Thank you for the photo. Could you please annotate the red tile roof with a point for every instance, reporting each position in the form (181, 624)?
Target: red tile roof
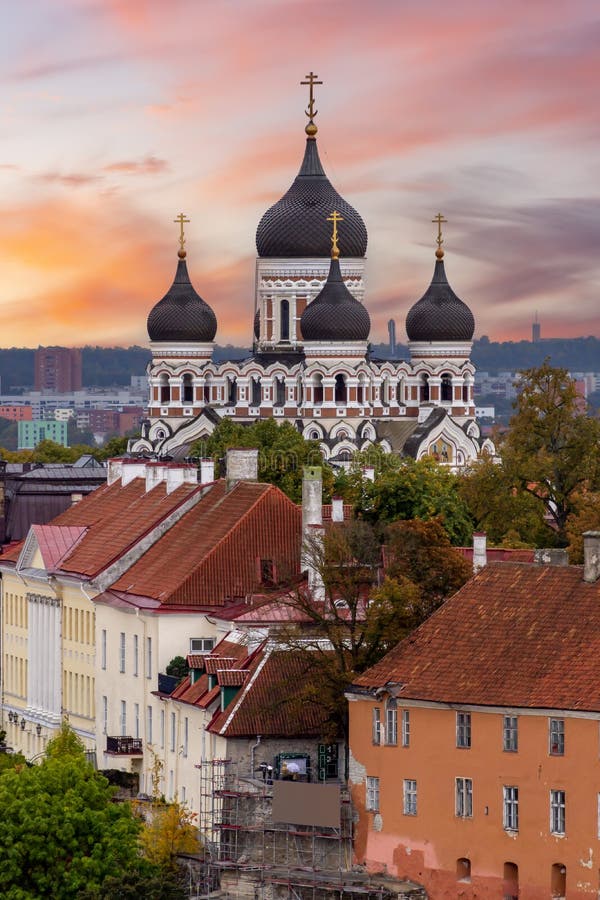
(501, 554)
(214, 664)
(515, 635)
(196, 660)
(210, 555)
(231, 677)
(56, 541)
(199, 693)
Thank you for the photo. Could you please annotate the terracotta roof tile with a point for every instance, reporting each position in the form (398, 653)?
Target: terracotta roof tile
(515, 635)
(195, 660)
(55, 541)
(231, 677)
(214, 664)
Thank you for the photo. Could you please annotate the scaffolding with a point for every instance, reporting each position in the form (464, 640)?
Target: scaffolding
(248, 855)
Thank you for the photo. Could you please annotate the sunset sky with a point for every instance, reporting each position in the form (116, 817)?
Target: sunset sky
(116, 115)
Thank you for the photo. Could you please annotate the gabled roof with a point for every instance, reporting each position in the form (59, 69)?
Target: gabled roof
(56, 541)
(516, 635)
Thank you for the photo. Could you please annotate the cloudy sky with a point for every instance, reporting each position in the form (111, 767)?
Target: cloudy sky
(116, 115)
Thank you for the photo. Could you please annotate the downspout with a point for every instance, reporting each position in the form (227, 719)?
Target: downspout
(253, 750)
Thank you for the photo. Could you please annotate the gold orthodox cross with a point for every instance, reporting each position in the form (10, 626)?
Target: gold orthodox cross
(182, 221)
(311, 112)
(439, 219)
(335, 218)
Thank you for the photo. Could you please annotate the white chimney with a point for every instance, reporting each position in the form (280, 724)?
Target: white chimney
(241, 464)
(180, 473)
(132, 468)
(115, 470)
(591, 556)
(313, 557)
(312, 496)
(76, 498)
(479, 550)
(369, 473)
(207, 471)
(337, 509)
(155, 473)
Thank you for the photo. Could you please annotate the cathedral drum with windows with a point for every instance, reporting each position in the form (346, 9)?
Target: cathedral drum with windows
(311, 364)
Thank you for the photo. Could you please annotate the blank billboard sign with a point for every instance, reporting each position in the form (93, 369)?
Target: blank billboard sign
(298, 803)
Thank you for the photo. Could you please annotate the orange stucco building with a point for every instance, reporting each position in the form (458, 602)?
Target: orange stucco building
(475, 743)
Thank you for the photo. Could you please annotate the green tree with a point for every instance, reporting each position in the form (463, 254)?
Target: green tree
(170, 830)
(282, 452)
(61, 833)
(552, 449)
(178, 667)
(585, 516)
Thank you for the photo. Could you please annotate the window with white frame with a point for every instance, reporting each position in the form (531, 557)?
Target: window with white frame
(405, 728)
(136, 720)
(103, 648)
(149, 725)
(123, 718)
(376, 725)
(122, 652)
(173, 741)
(510, 734)
(410, 797)
(464, 798)
(104, 715)
(149, 657)
(463, 729)
(372, 794)
(557, 812)
(510, 814)
(557, 737)
(136, 655)
(391, 721)
(201, 645)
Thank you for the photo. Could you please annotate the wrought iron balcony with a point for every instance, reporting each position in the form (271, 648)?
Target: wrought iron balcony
(126, 746)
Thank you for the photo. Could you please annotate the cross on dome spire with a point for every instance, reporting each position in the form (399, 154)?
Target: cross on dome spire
(311, 112)
(182, 220)
(335, 218)
(439, 240)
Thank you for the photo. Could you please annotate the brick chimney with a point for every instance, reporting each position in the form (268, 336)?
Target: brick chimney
(591, 556)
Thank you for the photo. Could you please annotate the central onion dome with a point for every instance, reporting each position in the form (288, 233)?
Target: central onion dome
(440, 315)
(334, 314)
(296, 225)
(182, 314)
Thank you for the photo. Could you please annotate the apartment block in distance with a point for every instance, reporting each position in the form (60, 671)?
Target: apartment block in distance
(57, 369)
(31, 433)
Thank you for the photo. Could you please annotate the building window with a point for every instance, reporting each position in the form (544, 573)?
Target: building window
(410, 797)
(510, 819)
(391, 722)
(185, 735)
(463, 869)
(183, 794)
(201, 645)
(376, 725)
(149, 657)
(103, 648)
(136, 720)
(372, 794)
(557, 812)
(464, 798)
(123, 718)
(122, 652)
(162, 729)
(510, 734)
(463, 729)
(136, 654)
(105, 716)
(173, 731)
(557, 737)
(405, 728)
(149, 725)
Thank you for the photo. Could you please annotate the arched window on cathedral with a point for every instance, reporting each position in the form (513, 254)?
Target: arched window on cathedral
(231, 391)
(317, 389)
(400, 391)
(164, 389)
(424, 389)
(256, 391)
(385, 392)
(466, 390)
(361, 391)
(280, 391)
(341, 393)
(187, 388)
(285, 320)
(446, 388)
(207, 388)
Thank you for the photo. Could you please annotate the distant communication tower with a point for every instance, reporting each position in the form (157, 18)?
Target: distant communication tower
(392, 334)
(536, 330)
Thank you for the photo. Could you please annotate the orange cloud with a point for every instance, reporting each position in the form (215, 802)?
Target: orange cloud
(150, 165)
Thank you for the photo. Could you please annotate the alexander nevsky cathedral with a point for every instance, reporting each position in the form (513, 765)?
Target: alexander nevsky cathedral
(311, 363)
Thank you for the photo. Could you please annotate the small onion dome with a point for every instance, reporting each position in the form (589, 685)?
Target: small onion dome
(440, 315)
(334, 314)
(182, 315)
(257, 324)
(297, 224)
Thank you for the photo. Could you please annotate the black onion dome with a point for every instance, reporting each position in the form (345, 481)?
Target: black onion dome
(182, 315)
(334, 314)
(440, 315)
(297, 224)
